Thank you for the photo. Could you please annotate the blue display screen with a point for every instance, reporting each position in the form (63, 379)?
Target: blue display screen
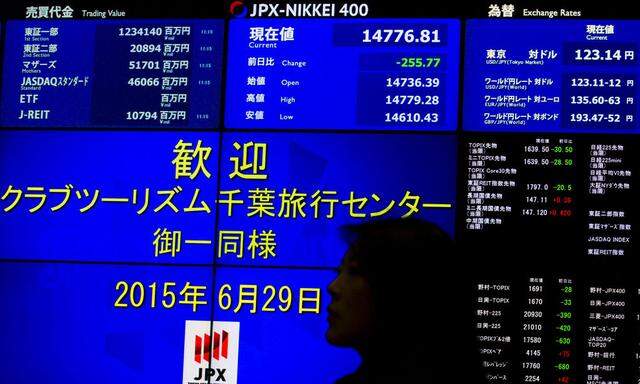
(343, 74)
(315, 193)
(112, 73)
(560, 76)
(97, 199)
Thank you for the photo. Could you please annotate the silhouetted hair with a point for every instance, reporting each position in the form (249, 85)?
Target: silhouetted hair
(409, 266)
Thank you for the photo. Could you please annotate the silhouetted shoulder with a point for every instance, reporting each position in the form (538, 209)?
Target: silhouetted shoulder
(350, 379)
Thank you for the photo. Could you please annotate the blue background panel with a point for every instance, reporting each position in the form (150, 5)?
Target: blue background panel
(340, 86)
(114, 163)
(387, 165)
(564, 37)
(96, 50)
(64, 327)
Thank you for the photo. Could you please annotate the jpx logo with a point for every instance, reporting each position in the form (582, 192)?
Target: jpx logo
(238, 9)
(211, 352)
(216, 375)
(220, 346)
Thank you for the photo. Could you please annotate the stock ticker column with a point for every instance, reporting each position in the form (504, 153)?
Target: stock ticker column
(70, 73)
(343, 74)
(550, 123)
(567, 90)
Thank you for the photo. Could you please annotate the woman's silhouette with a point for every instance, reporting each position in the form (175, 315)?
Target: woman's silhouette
(390, 302)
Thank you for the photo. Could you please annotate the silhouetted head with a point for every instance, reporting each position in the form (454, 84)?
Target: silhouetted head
(386, 281)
